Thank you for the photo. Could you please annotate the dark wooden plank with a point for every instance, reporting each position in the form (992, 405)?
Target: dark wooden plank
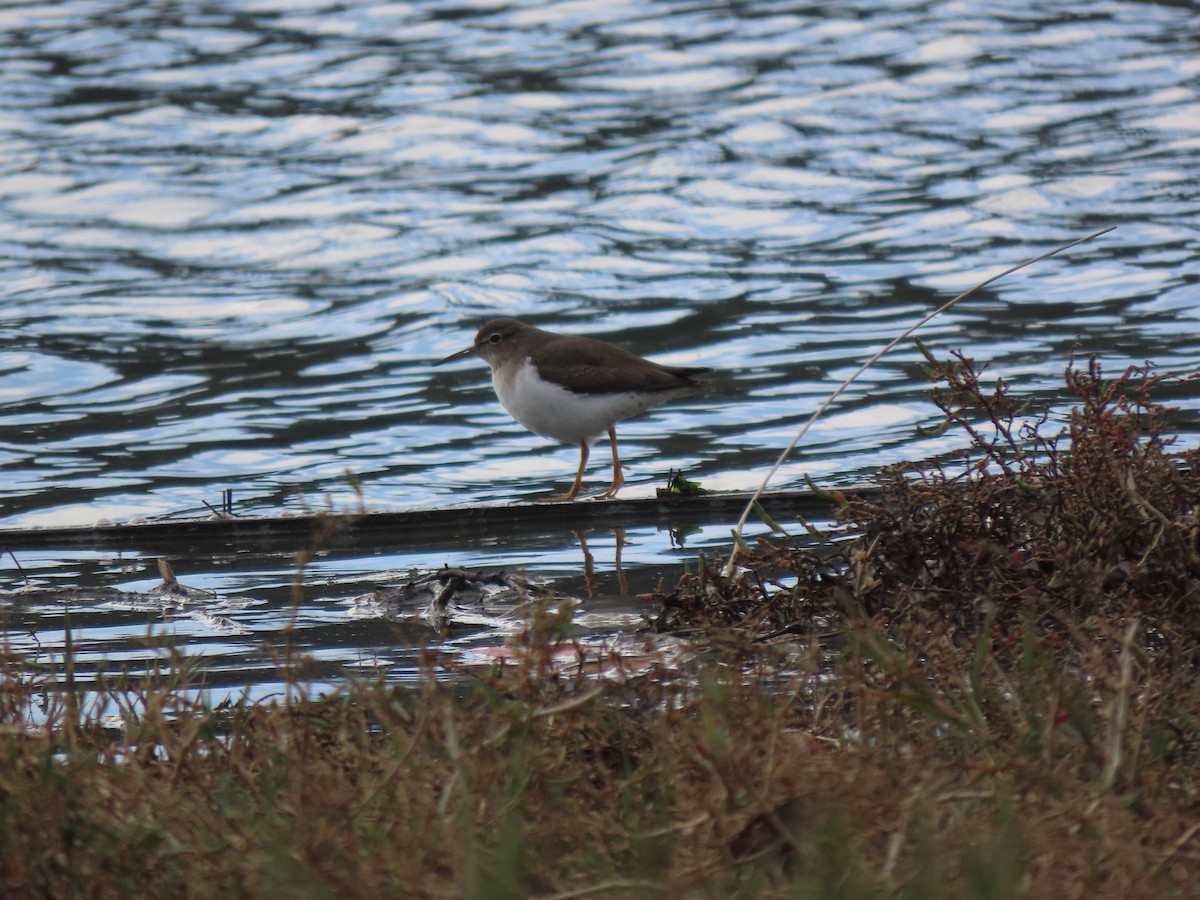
(436, 526)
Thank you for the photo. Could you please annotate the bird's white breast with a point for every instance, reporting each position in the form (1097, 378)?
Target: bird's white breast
(547, 409)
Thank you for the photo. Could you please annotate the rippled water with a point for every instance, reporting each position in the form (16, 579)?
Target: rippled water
(234, 235)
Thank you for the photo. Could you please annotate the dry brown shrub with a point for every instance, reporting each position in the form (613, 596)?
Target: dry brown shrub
(1014, 634)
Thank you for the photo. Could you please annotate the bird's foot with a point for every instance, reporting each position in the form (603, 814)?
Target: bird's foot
(559, 498)
(611, 493)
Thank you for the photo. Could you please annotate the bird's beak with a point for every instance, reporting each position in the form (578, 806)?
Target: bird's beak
(461, 354)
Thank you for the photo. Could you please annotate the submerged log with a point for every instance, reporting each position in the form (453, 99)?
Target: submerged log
(433, 527)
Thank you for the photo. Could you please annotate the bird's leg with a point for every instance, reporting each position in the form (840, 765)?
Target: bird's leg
(618, 477)
(574, 491)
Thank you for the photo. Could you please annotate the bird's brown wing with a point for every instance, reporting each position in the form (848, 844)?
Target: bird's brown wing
(592, 367)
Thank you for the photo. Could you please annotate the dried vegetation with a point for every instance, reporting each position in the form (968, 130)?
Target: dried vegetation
(982, 685)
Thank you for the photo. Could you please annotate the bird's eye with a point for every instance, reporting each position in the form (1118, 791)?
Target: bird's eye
(495, 338)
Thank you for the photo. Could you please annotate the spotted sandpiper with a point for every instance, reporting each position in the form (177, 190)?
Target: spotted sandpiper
(573, 389)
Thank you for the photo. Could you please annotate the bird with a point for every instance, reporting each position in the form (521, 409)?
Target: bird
(572, 388)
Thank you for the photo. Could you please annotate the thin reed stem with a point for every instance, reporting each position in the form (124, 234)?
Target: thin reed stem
(727, 572)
